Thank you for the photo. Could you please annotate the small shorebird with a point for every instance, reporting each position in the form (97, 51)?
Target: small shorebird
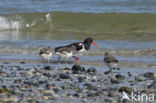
(85, 45)
(66, 52)
(111, 62)
(46, 54)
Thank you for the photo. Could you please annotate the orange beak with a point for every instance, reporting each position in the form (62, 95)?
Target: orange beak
(94, 43)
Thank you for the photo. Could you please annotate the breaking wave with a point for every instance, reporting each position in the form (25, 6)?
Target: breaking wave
(26, 21)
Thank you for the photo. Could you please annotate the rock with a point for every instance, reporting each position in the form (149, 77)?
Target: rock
(120, 77)
(42, 82)
(91, 94)
(84, 100)
(114, 81)
(11, 99)
(138, 79)
(56, 90)
(149, 75)
(129, 74)
(77, 89)
(28, 83)
(76, 95)
(117, 68)
(22, 62)
(107, 72)
(107, 100)
(90, 86)
(5, 91)
(64, 76)
(31, 71)
(78, 69)
(152, 85)
(47, 75)
(81, 79)
(66, 68)
(48, 68)
(92, 70)
(45, 97)
(126, 89)
(27, 86)
(48, 86)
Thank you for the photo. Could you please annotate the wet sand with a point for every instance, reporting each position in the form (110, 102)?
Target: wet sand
(88, 63)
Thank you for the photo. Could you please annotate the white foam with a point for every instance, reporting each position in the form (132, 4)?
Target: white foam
(48, 16)
(7, 24)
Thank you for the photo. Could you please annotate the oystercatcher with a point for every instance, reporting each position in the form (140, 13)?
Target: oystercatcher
(111, 62)
(45, 54)
(66, 52)
(85, 45)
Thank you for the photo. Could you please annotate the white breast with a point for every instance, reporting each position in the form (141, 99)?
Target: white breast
(65, 54)
(46, 56)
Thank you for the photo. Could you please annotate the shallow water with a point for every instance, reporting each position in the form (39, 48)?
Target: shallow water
(142, 54)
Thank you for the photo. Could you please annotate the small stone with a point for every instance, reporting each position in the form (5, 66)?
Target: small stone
(90, 86)
(56, 90)
(114, 81)
(84, 100)
(129, 74)
(138, 79)
(91, 94)
(120, 77)
(11, 99)
(27, 86)
(45, 97)
(48, 68)
(22, 62)
(48, 86)
(107, 100)
(66, 68)
(76, 95)
(81, 79)
(149, 75)
(117, 68)
(78, 69)
(64, 76)
(47, 75)
(126, 89)
(152, 85)
(91, 70)
(28, 82)
(42, 82)
(107, 72)
(5, 90)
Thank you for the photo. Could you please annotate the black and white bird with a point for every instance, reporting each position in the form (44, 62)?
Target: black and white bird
(46, 54)
(85, 45)
(66, 52)
(111, 62)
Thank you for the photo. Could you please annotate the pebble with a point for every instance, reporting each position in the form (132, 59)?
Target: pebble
(138, 79)
(48, 68)
(81, 79)
(129, 74)
(149, 75)
(114, 81)
(47, 75)
(64, 76)
(77, 69)
(120, 77)
(126, 89)
(45, 97)
(91, 70)
(73, 85)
